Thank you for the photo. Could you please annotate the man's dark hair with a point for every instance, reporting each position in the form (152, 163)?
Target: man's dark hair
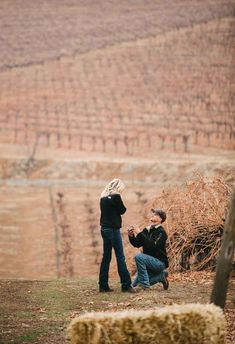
(159, 212)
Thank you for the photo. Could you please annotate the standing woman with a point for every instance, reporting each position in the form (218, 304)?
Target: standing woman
(112, 207)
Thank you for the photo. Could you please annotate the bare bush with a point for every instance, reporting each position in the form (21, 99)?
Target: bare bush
(196, 214)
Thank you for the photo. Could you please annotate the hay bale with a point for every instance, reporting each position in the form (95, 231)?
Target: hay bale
(188, 324)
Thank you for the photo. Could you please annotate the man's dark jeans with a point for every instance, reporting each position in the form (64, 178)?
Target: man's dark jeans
(112, 239)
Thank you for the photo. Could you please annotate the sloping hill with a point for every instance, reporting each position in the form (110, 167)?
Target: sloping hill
(35, 32)
(131, 79)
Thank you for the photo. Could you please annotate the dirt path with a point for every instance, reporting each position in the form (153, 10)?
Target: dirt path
(40, 311)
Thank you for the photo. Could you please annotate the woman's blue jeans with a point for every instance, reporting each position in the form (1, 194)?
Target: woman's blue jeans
(150, 270)
(112, 239)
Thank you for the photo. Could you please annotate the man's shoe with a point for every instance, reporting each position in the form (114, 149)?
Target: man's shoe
(140, 287)
(129, 290)
(105, 290)
(165, 281)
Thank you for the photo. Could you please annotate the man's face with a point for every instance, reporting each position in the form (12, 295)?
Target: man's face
(155, 219)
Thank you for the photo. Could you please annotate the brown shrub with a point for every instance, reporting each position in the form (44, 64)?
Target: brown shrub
(196, 212)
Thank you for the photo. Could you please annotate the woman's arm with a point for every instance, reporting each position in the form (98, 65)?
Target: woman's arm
(119, 204)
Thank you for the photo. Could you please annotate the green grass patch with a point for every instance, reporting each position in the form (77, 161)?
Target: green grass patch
(28, 337)
(56, 298)
(24, 314)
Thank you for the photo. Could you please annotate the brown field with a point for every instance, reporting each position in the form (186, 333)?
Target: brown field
(119, 79)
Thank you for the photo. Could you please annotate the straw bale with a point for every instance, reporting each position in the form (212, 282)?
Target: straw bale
(188, 324)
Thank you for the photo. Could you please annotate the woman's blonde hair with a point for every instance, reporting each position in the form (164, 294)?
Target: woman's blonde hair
(116, 186)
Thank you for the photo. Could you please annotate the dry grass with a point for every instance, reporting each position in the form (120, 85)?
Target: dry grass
(44, 309)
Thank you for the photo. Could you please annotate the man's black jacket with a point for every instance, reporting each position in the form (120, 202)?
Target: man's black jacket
(153, 241)
(111, 208)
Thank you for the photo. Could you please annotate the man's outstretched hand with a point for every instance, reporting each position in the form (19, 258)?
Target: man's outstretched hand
(133, 230)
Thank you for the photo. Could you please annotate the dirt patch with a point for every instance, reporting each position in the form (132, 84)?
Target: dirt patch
(40, 311)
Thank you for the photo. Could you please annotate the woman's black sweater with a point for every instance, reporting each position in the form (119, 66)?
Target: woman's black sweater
(111, 208)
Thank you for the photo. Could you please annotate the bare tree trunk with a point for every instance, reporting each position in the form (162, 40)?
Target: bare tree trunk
(224, 265)
(66, 261)
(32, 155)
(31, 159)
(57, 236)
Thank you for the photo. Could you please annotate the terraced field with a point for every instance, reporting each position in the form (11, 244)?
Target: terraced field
(119, 79)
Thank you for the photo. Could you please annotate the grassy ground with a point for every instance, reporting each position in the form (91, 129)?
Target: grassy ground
(40, 311)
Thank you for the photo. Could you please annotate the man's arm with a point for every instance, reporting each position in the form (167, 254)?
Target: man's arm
(132, 234)
(135, 241)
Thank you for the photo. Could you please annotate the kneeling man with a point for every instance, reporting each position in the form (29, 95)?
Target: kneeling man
(153, 261)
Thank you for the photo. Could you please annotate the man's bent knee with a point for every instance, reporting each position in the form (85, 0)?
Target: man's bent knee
(139, 256)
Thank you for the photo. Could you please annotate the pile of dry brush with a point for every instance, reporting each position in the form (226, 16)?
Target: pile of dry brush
(196, 214)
